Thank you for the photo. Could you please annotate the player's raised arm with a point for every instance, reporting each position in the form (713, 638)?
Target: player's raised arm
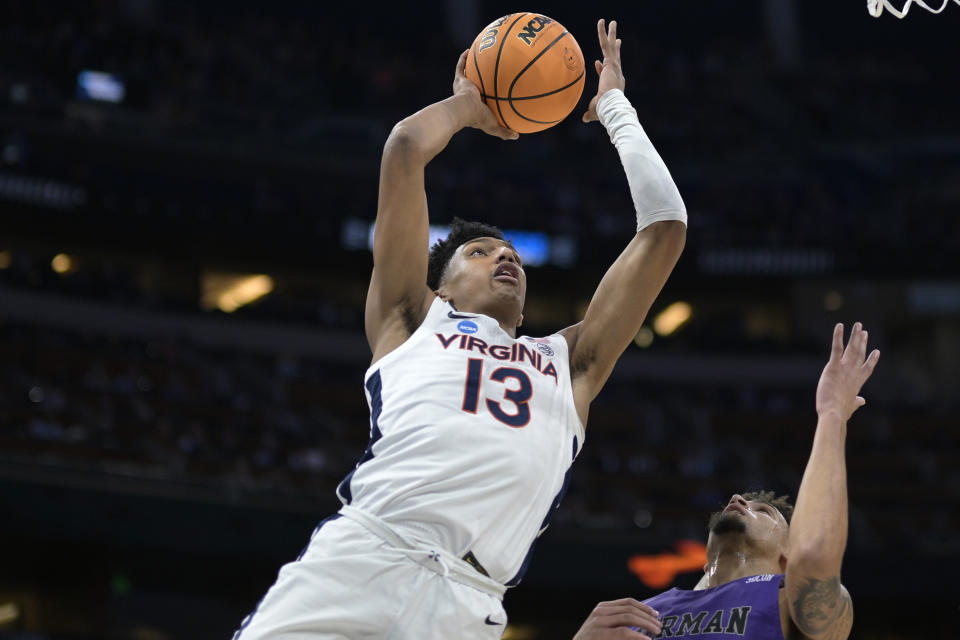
(399, 298)
(630, 286)
(820, 606)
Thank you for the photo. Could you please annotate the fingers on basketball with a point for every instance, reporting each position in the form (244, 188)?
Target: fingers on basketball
(462, 62)
(589, 115)
(507, 134)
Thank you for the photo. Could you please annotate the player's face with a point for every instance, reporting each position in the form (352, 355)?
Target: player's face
(756, 523)
(486, 273)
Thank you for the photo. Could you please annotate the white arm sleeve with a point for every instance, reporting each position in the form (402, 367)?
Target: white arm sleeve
(655, 196)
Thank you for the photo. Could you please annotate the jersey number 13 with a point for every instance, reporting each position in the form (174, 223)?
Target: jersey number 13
(520, 398)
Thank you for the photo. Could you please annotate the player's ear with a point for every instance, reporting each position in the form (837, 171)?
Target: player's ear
(520, 321)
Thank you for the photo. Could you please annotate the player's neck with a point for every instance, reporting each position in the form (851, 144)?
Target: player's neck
(504, 315)
(510, 331)
(733, 563)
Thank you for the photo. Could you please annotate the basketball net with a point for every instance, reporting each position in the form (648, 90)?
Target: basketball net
(876, 7)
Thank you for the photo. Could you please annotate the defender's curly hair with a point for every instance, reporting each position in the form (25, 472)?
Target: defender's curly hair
(781, 503)
(440, 253)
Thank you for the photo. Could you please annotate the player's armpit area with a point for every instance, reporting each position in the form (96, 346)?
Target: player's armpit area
(821, 609)
(579, 363)
(387, 327)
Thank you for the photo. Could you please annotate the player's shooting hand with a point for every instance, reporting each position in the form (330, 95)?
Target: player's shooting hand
(480, 116)
(845, 373)
(612, 621)
(610, 70)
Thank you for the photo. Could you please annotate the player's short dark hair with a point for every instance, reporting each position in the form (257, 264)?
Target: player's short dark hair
(780, 503)
(440, 253)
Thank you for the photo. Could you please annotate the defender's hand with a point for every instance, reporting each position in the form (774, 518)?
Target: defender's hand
(610, 70)
(612, 621)
(480, 116)
(845, 373)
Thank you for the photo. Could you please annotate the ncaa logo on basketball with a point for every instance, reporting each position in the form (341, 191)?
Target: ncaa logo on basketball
(545, 349)
(466, 326)
(529, 33)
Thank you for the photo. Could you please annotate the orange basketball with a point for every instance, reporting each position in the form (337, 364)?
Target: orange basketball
(529, 70)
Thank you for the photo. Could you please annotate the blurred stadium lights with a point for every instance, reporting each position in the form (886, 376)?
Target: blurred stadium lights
(19, 93)
(783, 31)
(672, 318)
(935, 298)
(6, 259)
(642, 518)
(535, 247)
(62, 263)
(100, 86)
(659, 571)
(41, 191)
(9, 612)
(644, 337)
(12, 154)
(229, 292)
(833, 300)
(520, 632)
(767, 261)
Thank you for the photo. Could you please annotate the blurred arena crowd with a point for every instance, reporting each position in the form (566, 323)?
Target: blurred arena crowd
(661, 452)
(828, 150)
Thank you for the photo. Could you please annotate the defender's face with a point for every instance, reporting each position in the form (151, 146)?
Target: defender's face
(486, 272)
(758, 523)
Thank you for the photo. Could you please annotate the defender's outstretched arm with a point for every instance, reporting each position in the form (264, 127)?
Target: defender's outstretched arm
(820, 606)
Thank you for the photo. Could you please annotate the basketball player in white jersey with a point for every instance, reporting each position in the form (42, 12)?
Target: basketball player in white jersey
(473, 430)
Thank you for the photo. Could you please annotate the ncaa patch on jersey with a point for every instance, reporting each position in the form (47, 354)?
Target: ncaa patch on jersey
(467, 326)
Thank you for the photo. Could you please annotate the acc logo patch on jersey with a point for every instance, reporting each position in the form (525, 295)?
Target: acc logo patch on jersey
(466, 326)
(546, 350)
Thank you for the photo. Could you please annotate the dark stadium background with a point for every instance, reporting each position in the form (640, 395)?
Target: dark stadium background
(159, 461)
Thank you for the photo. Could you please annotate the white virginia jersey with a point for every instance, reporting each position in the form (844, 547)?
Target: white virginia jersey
(472, 434)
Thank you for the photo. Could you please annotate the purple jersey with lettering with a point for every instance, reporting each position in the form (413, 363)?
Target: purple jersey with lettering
(746, 609)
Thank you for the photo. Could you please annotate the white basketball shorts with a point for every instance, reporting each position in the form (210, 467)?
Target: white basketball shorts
(358, 579)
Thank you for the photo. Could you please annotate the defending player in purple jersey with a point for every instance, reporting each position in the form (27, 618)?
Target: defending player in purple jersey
(726, 611)
(773, 570)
